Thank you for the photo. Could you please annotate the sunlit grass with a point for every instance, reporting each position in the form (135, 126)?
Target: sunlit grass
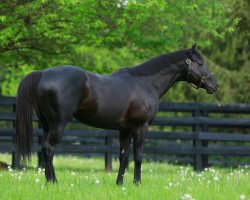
(82, 178)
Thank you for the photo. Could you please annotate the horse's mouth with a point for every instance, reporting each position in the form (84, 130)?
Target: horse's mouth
(210, 90)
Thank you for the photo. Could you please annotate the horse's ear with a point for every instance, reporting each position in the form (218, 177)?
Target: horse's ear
(193, 47)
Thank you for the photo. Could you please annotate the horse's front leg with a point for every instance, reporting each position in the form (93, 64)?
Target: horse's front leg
(125, 139)
(139, 139)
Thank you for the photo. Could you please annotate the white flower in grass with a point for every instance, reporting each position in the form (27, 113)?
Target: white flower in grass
(71, 185)
(10, 169)
(97, 181)
(19, 178)
(40, 171)
(73, 173)
(243, 196)
(123, 189)
(208, 182)
(86, 177)
(170, 184)
(37, 180)
(216, 178)
(187, 197)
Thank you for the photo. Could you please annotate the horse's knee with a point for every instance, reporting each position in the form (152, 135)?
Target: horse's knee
(138, 160)
(56, 132)
(123, 157)
(48, 151)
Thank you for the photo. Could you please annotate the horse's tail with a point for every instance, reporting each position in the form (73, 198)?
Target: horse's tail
(27, 102)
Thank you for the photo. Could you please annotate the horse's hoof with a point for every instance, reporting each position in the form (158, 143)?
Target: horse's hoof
(119, 183)
(51, 181)
(137, 183)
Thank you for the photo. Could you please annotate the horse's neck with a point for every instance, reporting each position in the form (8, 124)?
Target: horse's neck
(161, 72)
(162, 81)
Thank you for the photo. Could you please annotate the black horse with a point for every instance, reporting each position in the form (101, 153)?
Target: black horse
(126, 100)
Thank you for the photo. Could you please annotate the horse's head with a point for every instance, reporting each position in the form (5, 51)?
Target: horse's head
(198, 73)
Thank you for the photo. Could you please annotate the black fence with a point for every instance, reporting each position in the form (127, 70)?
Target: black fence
(197, 133)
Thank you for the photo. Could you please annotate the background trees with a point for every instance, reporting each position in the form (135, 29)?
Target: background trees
(103, 36)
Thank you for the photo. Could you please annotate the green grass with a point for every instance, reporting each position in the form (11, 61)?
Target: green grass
(81, 178)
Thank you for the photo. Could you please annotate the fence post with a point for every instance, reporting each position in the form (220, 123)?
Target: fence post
(204, 143)
(15, 157)
(197, 157)
(108, 155)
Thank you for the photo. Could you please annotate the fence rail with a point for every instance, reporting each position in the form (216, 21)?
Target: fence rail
(184, 132)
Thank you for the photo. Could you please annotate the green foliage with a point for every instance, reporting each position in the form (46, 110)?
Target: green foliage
(12, 78)
(233, 52)
(102, 60)
(44, 31)
(102, 36)
(240, 85)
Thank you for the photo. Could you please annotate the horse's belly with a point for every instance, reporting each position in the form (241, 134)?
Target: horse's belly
(99, 121)
(113, 113)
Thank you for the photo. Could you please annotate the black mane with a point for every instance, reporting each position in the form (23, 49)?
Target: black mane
(157, 64)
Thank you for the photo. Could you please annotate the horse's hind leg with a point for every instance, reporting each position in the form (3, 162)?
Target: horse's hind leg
(45, 127)
(52, 139)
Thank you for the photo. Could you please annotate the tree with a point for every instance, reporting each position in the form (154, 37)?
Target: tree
(103, 35)
(44, 32)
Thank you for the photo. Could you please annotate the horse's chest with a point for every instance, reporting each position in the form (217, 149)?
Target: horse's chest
(139, 113)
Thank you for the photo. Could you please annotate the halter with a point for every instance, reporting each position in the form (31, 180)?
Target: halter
(203, 79)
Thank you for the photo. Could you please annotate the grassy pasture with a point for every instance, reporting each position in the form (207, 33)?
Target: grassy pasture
(82, 178)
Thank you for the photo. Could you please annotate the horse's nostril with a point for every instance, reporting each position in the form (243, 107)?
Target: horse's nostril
(217, 85)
